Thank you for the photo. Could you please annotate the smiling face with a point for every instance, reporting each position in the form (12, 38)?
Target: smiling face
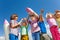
(57, 15)
(33, 18)
(24, 23)
(49, 16)
(16, 18)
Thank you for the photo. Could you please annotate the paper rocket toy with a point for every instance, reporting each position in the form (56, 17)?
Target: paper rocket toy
(6, 29)
(30, 11)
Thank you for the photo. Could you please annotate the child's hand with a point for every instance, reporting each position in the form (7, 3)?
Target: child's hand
(42, 10)
(20, 21)
(40, 18)
(40, 15)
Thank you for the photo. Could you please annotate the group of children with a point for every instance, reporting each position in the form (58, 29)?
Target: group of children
(54, 22)
(38, 28)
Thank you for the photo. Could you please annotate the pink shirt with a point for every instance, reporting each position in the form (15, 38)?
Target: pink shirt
(51, 22)
(34, 26)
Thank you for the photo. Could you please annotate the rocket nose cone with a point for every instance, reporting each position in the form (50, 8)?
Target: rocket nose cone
(28, 9)
(6, 22)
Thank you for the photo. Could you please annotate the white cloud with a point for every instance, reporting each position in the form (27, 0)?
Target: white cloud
(2, 38)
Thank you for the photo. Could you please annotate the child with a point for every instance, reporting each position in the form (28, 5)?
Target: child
(13, 27)
(43, 28)
(34, 24)
(24, 29)
(53, 26)
(34, 27)
(57, 17)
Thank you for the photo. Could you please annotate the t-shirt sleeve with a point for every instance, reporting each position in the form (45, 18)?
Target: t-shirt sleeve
(53, 21)
(12, 22)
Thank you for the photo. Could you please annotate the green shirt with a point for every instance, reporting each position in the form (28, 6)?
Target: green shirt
(24, 30)
(58, 22)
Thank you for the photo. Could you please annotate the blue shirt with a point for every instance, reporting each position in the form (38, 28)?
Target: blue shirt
(42, 27)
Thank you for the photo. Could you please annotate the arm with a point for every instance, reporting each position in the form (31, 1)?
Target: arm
(29, 22)
(41, 18)
(20, 21)
(14, 26)
(27, 25)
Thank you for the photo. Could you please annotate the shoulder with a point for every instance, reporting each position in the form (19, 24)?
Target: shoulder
(12, 21)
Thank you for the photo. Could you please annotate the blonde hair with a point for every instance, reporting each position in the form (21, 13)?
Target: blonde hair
(48, 14)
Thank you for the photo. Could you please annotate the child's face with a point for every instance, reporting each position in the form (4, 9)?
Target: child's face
(24, 24)
(33, 18)
(49, 16)
(57, 15)
(16, 18)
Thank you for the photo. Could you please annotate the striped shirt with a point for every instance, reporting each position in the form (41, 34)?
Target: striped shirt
(14, 30)
(51, 22)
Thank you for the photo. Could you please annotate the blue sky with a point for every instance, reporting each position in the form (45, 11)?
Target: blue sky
(8, 7)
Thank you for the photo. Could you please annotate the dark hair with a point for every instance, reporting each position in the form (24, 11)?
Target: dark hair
(13, 16)
(32, 15)
(57, 11)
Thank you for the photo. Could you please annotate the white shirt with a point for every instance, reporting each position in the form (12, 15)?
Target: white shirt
(14, 30)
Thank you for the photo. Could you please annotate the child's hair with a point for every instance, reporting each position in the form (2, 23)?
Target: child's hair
(48, 14)
(57, 12)
(24, 21)
(33, 16)
(13, 16)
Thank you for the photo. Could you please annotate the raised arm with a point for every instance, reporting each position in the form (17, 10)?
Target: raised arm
(20, 21)
(13, 25)
(41, 17)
